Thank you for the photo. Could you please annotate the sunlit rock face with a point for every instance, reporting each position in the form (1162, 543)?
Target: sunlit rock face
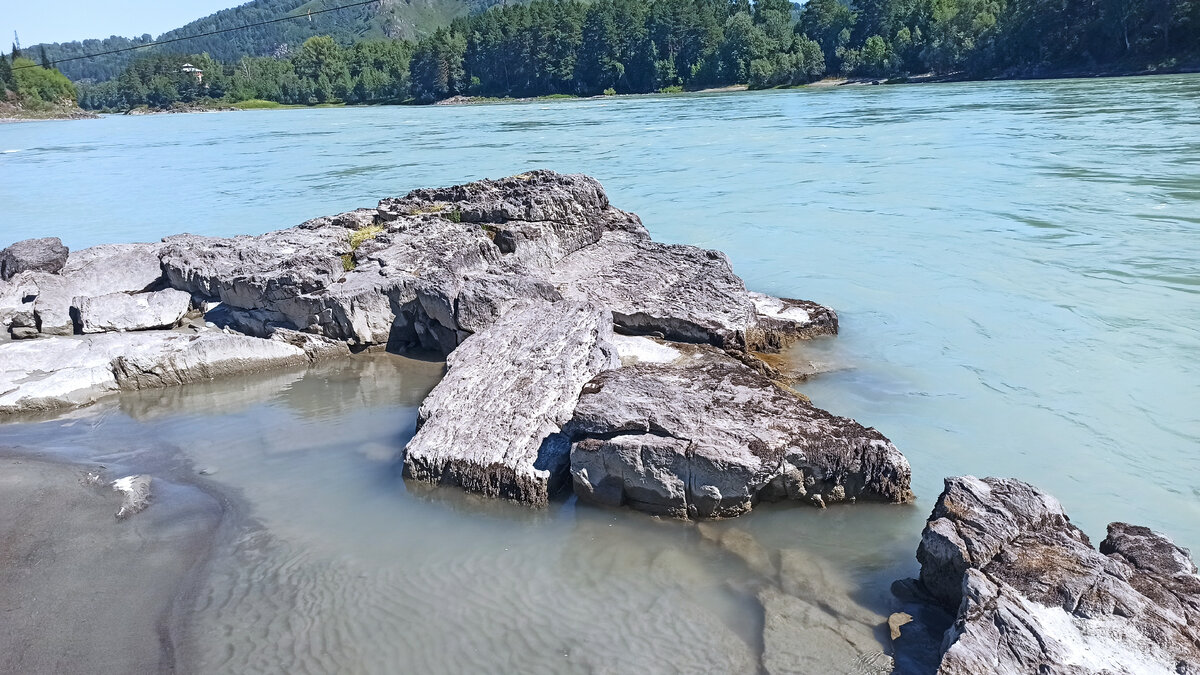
(537, 290)
(1032, 595)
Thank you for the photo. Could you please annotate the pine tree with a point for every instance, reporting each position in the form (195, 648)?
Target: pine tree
(45, 58)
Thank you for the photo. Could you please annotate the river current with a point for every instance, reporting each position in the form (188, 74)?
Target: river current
(1016, 266)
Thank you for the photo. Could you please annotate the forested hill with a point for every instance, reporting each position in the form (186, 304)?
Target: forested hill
(406, 19)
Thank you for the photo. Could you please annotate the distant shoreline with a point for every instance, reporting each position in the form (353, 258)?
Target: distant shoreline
(461, 100)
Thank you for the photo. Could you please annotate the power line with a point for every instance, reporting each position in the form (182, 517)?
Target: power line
(200, 35)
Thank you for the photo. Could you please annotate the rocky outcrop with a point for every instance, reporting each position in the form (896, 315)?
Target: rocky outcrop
(1031, 595)
(46, 301)
(427, 270)
(701, 435)
(59, 373)
(492, 425)
(119, 312)
(521, 281)
(33, 255)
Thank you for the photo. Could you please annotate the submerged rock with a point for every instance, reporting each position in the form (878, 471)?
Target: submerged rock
(33, 255)
(135, 491)
(705, 436)
(1033, 596)
(492, 425)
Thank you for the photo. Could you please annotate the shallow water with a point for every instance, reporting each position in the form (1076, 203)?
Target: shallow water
(330, 564)
(1015, 265)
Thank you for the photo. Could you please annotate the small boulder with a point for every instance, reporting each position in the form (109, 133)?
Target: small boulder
(38, 255)
(119, 312)
(24, 332)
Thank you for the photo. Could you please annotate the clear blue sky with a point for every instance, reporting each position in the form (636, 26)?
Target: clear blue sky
(65, 20)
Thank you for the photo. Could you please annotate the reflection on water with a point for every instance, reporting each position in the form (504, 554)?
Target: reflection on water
(330, 564)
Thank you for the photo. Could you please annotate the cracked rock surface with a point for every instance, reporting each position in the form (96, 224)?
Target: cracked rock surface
(702, 435)
(520, 282)
(1031, 594)
(492, 424)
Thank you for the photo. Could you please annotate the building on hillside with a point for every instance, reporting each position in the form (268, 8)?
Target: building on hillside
(193, 71)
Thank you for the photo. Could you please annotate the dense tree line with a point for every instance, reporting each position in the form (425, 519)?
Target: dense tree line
(632, 46)
(564, 46)
(319, 72)
(391, 19)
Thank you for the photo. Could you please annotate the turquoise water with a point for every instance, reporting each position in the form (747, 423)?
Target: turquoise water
(1016, 265)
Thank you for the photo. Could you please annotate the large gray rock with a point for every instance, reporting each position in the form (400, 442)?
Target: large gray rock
(33, 255)
(1033, 596)
(125, 312)
(702, 435)
(114, 268)
(424, 271)
(67, 372)
(492, 425)
(96, 271)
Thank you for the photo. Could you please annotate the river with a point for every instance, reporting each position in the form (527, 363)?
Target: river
(1016, 266)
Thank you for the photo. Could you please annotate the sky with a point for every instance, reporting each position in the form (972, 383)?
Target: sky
(66, 20)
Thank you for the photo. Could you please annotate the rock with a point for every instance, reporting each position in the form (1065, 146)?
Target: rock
(24, 333)
(743, 545)
(492, 425)
(705, 436)
(438, 268)
(114, 268)
(37, 255)
(16, 305)
(124, 312)
(1032, 595)
(778, 322)
(801, 637)
(316, 347)
(896, 621)
(100, 270)
(419, 272)
(65, 372)
(136, 493)
(679, 292)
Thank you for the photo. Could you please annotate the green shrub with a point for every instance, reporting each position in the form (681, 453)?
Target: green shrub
(610, 92)
(36, 83)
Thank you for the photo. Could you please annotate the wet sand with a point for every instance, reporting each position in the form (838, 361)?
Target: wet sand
(84, 592)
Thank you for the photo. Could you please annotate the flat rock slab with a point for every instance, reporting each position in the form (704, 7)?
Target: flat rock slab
(119, 312)
(63, 372)
(678, 292)
(1032, 595)
(492, 425)
(705, 436)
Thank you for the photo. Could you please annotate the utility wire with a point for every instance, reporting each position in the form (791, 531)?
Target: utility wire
(200, 35)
